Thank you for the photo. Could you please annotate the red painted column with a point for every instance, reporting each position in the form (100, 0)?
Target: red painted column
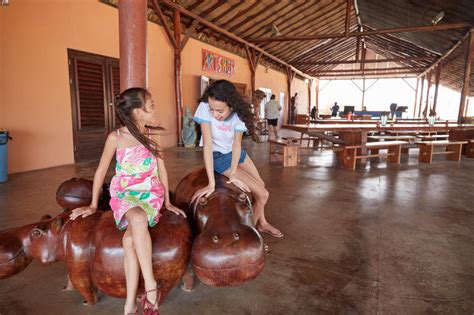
(132, 38)
(177, 78)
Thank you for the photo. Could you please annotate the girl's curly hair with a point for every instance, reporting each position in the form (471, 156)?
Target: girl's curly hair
(225, 91)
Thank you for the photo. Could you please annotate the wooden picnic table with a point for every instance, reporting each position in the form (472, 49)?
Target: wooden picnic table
(356, 134)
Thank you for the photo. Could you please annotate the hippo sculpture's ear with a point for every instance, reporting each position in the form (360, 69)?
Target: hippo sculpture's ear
(56, 225)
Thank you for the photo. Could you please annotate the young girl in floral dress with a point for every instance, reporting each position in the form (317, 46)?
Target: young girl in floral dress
(138, 191)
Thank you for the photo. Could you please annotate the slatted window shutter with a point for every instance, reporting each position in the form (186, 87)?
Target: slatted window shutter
(91, 92)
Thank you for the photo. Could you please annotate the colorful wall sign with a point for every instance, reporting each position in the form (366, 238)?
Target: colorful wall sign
(216, 63)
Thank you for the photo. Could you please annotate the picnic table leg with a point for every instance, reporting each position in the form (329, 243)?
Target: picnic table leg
(290, 156)
(470, 149)
(349, 158)
(395, 158)
(456, 155)
(426, 153)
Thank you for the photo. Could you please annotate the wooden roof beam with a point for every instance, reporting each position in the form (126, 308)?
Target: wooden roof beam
(409, 29)
(348, 16)
(447, 54)
(337, 62)
(370, 70)
(376, 75)
(232, 36)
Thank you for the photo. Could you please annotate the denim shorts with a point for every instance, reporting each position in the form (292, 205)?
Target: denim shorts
(222, 162)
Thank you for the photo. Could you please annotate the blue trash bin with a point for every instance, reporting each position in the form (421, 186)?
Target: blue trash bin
(4, 137)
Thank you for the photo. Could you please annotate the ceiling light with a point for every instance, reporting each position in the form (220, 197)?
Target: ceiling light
(275, 31)
(437, 18)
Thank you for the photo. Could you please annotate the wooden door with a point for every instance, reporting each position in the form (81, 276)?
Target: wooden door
(94, 81)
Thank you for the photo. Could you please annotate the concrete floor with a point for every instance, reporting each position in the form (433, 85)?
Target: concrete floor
(395, 239)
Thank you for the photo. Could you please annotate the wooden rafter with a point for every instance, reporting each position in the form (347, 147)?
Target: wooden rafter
(162, 18)
(224, 32)
(252, 17)
(408, 29)
(268, 23)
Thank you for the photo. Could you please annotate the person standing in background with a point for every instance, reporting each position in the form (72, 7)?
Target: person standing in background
(334, 110)
(272, 112)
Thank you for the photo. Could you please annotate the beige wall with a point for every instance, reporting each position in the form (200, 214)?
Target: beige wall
(192, 70)
(34, 91)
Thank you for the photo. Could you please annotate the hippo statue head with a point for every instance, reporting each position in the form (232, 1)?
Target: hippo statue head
(19, 246)
(228, 251)
(44, 240)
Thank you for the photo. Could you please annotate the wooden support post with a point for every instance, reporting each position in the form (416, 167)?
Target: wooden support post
(468, 56)
(290, 75)
(428, 86)
(309, 98)
(132, 39)
(416, 96)
(421, 96)
(252, 59)
(317, 97)
(437, 75)
(177, 71)
(363, 93)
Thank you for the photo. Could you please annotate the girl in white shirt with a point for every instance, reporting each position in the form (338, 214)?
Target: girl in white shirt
(224, 116)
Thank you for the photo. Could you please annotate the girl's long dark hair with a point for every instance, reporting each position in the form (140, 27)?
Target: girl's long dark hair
(224, 91)
(125, 103)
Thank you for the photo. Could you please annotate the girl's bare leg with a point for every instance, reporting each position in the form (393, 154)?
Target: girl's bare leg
(259, 213)
(138, 223)
(132, 272)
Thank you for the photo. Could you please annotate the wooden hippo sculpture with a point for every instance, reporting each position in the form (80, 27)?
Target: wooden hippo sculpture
(92, 247)
(227, 249)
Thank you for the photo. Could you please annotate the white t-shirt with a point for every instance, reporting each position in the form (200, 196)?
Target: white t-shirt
(222, 131)
(272, 110)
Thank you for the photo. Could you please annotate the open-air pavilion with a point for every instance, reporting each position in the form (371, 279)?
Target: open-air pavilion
(376, 215)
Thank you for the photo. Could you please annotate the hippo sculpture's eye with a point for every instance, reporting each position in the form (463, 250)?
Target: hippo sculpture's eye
(36, 232)
(236, 236)
(215, 238)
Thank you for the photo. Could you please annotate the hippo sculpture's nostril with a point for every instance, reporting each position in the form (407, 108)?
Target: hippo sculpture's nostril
(203, 201)
(243, 197)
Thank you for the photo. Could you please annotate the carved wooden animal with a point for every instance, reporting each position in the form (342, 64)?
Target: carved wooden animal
(227, 249)
(92, 248)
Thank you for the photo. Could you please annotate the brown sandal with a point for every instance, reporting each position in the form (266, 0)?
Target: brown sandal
(148, 307)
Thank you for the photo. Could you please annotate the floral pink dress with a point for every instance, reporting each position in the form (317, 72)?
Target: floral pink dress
(135, 184)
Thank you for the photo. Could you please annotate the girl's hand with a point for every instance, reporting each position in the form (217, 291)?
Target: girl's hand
(82, 211)
(238, 183)
(175, 210)
(203, 192)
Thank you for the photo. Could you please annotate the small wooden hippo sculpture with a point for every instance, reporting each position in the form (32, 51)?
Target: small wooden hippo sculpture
(227, 249)
(92, 247)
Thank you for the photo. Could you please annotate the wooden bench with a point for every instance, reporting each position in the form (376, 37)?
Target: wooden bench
(453, 150)
(288, 149)
(432, 137)
(350, 153)
(409, 138)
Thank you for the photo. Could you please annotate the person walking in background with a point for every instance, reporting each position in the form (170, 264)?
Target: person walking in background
(272, 112)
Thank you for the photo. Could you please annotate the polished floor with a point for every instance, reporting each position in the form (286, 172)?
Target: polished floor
(384, 239)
